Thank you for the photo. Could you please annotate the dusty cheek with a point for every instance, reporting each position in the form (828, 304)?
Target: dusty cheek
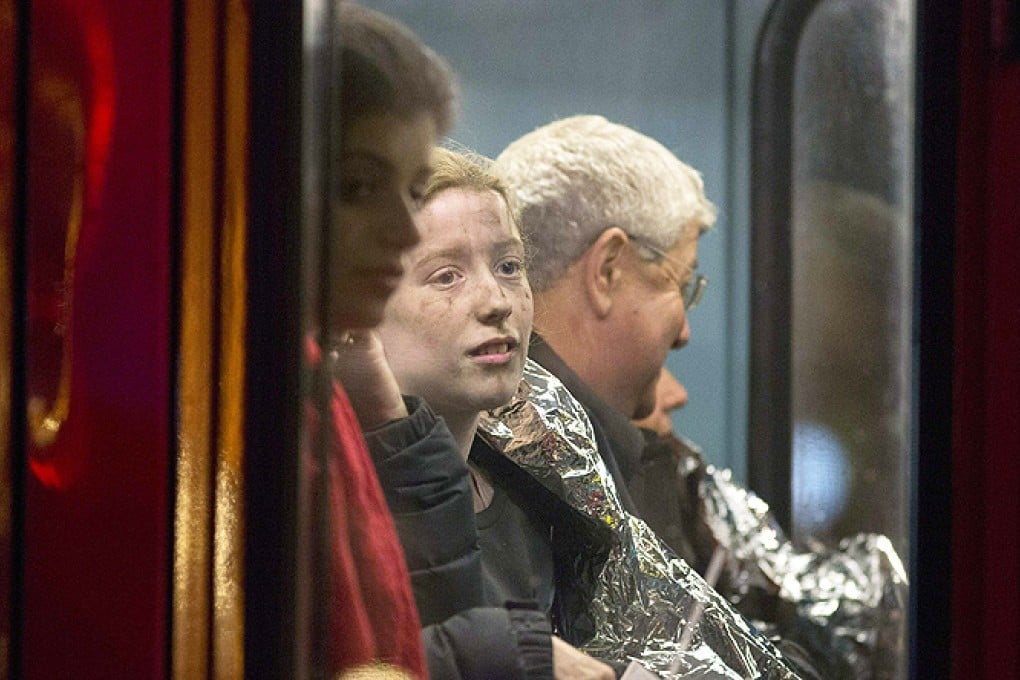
(397, 331)
(526, 313)
(411, 314)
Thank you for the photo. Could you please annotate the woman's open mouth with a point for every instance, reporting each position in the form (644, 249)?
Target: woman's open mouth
(496, 351)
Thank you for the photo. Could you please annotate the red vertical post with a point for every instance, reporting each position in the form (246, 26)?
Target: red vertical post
(986, 399)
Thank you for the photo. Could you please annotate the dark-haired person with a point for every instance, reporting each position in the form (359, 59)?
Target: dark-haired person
(396, 98)
(614, 219)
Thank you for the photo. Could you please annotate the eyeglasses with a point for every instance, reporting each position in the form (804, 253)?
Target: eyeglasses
(691, 290)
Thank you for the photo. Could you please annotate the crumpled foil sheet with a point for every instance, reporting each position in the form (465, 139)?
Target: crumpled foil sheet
(846, 607)
(646, 597)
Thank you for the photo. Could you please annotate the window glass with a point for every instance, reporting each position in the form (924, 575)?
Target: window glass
(673, 71)
(851, 269)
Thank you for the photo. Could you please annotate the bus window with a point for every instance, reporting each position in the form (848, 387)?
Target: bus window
(832, 303)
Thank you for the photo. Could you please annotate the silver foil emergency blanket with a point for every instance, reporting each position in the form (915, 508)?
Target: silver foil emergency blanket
(850, 603)
(645, 596)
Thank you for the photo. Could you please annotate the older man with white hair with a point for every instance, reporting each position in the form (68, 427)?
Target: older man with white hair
(612, 220)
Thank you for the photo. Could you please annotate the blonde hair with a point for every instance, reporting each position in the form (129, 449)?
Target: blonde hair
(576, 177)
(466, 169)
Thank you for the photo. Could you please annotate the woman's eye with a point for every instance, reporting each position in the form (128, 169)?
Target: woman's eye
(417, 195)
(446, 277)
(356, 189)
(511, 267)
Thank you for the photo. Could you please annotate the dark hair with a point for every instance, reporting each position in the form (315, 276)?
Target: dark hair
(384, 68)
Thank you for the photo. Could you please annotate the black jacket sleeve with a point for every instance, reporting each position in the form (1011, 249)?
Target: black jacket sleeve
(426, 484)
(428, 490)
(490, 643)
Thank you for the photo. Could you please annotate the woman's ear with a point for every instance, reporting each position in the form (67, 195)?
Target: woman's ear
(602, 269)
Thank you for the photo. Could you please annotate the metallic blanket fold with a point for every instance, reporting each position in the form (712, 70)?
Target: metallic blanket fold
(846, 607)
(648, 604)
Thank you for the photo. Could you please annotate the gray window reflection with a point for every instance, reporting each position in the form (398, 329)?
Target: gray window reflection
(851, 270)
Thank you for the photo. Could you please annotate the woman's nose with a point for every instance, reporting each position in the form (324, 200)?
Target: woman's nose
(684, 336)
(402, 230)
(492, 303)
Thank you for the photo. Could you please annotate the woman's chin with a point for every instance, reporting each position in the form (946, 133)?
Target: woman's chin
(500, 397)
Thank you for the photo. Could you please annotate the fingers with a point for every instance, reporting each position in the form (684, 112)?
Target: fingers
(359, 363)
(570, 663)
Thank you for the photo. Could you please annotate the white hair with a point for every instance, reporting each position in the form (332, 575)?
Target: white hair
(576, 177)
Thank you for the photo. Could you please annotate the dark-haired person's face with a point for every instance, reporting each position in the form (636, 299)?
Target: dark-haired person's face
(383, 165)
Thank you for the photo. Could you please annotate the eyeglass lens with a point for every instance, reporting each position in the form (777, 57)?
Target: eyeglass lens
(692, 291)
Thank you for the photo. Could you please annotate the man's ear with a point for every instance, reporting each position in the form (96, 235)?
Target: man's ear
(602, 269)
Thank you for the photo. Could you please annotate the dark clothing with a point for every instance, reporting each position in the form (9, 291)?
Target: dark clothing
(578, 544)
(490, 642)
(427, 488)
(669, 501)
(517, 553)
(644, 470)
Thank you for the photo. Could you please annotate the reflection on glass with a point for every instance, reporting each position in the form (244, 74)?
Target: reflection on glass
(851, 233)
(318, 47)
(8, 56)
(821, 477)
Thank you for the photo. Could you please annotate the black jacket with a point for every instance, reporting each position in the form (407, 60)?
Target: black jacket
(428, 491)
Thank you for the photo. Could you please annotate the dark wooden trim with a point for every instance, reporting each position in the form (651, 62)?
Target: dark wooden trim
(769, 430)
(937, 100)
(272, 418)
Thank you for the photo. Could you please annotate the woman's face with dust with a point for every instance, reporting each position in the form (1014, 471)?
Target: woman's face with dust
(456, 330)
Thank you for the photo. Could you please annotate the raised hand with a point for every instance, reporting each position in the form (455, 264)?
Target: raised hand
(359, 362)
(570, 663)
